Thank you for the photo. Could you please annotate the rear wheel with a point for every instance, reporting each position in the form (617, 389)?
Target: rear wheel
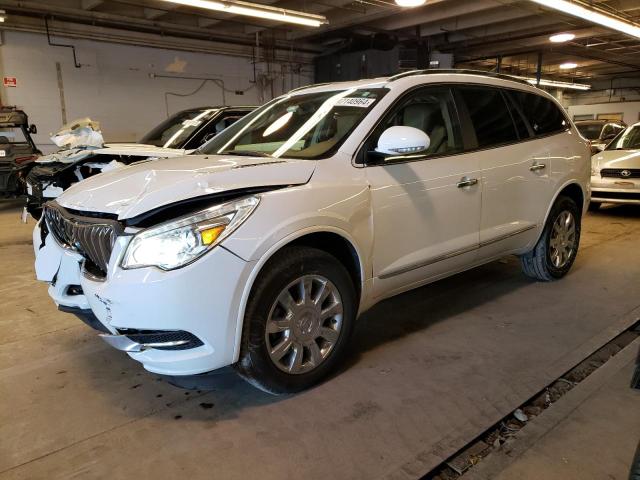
(298, 321)
(556, 250)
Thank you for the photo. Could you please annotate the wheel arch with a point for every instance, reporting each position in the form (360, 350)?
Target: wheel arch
(332, 240)
(572, 189)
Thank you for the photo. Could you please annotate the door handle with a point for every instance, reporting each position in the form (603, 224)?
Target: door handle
(536, 167)
(467, 182)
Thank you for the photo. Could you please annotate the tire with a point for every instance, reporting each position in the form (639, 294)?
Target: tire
(292, 271)
(635, 466)
(541, 263)
(594, 206)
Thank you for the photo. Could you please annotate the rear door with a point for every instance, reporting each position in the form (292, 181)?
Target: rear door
(515, 170)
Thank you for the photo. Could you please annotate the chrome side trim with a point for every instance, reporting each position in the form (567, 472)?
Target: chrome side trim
(431, 261)
(454, 253)
(507, 235)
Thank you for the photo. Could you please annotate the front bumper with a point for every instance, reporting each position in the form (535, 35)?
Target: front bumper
(202, 298)
(615, 190)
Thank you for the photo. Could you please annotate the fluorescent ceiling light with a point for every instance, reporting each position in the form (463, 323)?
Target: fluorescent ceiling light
(577, 10)
(562, 37)
(568, 66)
(410, 3)
(557, 84)
(255, 10)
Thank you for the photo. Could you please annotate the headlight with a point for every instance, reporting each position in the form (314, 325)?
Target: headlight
(176, 243)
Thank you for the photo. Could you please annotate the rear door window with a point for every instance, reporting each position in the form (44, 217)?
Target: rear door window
(489, 115)
(544, 116)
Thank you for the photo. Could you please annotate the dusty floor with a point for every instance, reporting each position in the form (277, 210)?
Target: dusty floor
(591, 433)
(430, 370)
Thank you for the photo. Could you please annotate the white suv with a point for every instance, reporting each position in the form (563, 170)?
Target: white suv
(261, 251)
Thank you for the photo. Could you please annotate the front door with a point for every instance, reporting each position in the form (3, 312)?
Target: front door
(426, 207)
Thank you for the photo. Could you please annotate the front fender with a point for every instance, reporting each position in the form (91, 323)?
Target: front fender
(286, 215)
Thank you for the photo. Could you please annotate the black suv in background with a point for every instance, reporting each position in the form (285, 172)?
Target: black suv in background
(17, 150)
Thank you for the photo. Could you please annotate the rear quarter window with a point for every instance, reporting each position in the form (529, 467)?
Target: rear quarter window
(544, 116)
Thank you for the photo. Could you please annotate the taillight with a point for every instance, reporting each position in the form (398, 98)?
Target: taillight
(21, 160)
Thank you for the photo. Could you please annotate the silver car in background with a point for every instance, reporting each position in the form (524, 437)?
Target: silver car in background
(615, 172)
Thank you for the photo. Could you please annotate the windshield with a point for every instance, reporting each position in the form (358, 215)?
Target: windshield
(178, 128)
(627, 140)
(590, 132)
(12, 135)
(298, 126)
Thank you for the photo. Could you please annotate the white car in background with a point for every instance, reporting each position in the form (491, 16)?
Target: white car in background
(615, 172)
(261, 251)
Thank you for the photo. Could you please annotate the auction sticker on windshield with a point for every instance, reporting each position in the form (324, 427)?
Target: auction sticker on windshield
(355, 102)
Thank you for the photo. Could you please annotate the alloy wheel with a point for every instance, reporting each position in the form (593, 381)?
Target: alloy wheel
(304, 324)
(563, 239)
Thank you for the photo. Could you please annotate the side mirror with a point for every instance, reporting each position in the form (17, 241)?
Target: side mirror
(401, 140)
(33, 129)
(611, 136)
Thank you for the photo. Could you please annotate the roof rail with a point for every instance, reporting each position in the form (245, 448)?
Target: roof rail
(463, 71)
(309, 86)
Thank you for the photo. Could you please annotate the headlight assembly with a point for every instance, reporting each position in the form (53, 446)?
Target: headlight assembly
(179, 242)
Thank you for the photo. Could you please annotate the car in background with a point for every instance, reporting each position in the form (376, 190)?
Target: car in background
(18, 151)
(176, 136)
(615, 172)
(599, 132)
(261, 250)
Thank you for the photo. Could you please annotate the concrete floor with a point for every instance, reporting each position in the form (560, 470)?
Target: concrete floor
(591, 433)
(430, 370)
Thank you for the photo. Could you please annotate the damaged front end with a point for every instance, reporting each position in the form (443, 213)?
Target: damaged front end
(47, 181)
(84, 155)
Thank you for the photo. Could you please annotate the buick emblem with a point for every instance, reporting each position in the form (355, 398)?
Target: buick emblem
(625, 173)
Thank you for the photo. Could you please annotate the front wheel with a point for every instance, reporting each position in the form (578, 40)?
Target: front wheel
(556, 250)
(298, 321)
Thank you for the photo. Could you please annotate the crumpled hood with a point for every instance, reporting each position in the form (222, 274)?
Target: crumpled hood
(74, 155)
(617, 159)
(138, 188)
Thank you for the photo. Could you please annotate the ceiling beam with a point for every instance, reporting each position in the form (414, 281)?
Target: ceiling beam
(153, 13)
(436, 12)
(90, 4)
(137, 23)
(74, 30)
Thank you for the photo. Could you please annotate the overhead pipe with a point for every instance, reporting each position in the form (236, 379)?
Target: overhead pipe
(53, 44)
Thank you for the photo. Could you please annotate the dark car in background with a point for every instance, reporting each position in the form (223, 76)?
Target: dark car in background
(18, 151)
(176, 136)
(599, 132)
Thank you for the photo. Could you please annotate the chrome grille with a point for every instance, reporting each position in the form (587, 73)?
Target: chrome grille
(620, 172)
(93, 238)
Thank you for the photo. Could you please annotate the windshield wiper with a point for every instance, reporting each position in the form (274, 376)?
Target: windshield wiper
(246, 153)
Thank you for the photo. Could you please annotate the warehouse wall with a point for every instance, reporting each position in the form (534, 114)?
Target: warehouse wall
(629, 110)
(119, 85)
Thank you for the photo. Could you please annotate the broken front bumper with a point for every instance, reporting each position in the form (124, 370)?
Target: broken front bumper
(201, 299)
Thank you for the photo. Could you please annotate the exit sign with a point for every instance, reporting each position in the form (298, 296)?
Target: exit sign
(10, 81)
